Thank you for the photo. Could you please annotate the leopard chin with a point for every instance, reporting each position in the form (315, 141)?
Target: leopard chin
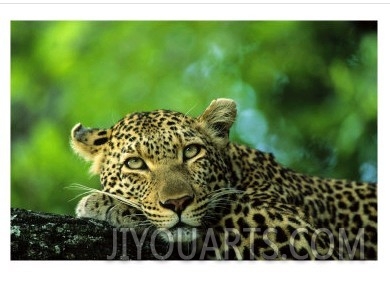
(179, 234)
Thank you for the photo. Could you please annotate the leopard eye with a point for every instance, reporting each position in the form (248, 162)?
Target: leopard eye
(191, 151)
(135, 163)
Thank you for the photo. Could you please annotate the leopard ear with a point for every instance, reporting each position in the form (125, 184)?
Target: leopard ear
(217, 119)
(89, 143)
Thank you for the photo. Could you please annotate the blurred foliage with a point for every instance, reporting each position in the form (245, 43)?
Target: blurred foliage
(306, 91)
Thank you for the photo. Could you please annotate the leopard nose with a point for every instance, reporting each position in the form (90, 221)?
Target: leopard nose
(177, 205)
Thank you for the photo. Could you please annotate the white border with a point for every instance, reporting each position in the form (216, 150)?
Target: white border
(193, 11)
(193, 2)
(199, 270)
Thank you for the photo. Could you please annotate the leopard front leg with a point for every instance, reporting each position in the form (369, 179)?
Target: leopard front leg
(102, 207)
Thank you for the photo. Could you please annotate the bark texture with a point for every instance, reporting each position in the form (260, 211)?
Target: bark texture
(43, 236)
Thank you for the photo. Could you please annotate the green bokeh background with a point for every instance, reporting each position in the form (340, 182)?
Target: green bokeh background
(306, 91)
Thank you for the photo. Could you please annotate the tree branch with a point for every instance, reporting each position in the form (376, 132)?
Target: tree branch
(42, 236)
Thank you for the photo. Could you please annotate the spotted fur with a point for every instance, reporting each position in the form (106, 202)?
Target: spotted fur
(164, 170)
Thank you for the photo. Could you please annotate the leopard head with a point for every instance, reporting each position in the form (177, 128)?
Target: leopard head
(172, 167)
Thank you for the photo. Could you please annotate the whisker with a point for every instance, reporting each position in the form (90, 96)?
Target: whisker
(188, 111)
(90, 190)
(76, 186)
(223, 192)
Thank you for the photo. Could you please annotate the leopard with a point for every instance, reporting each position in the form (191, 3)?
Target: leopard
(182, 178)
